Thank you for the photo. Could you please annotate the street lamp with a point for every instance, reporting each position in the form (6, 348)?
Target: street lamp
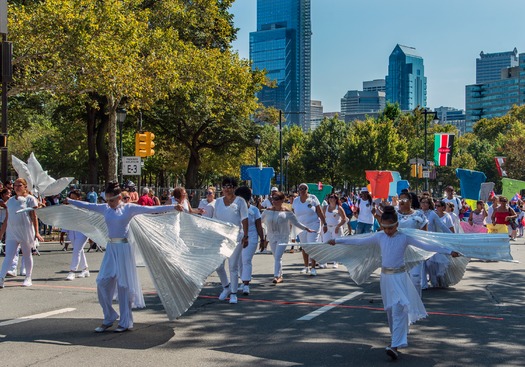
(121, 116)
(257, 141)
(286, 157)
(435, 119)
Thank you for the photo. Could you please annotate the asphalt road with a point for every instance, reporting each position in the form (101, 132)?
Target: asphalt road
(479, 322)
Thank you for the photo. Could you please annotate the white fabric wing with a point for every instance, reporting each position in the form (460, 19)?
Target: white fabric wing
(22, 170)
(56, 187)
(181, 250)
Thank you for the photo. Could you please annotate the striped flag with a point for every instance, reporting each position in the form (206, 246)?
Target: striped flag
(443, 149)
(500, 162)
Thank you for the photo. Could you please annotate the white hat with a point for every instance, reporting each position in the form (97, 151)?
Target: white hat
(274, 189)
(364, 189)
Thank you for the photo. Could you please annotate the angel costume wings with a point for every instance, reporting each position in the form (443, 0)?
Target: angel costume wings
(180, 250)
(362, 261)
(38, 181)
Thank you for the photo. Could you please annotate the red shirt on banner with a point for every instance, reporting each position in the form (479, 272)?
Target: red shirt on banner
(380, 183)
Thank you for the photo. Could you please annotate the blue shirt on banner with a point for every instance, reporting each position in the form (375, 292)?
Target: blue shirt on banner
(261, 179)
(470, 183)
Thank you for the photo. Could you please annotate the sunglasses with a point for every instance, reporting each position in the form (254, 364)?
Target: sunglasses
(404, 200)
(332, 197)
(209, 193)
(302, 188)
(126, 197)
(227, 186)
(438, 205)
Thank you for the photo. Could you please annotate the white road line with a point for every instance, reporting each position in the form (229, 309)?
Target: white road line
(52, 342)
(324, 309)
(35, 317)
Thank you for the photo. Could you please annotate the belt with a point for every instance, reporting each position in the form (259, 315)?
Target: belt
(118, 240)
(393, 270)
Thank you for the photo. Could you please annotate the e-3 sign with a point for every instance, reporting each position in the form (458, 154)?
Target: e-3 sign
(131, 166)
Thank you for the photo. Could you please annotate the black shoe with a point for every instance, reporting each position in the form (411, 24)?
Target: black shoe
(391, 353)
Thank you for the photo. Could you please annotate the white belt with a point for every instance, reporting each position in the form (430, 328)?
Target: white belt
(402, 269)
(118, 240)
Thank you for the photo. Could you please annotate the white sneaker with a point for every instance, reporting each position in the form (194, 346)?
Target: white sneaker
(27, 282)
(1, 282)
(84, 274)
(233, 298)
(23, 272)
(304, 271)
(246, 290)
(336, 265)
(323, 266)
(313, 272)
(11, 274)
(224, 294)
(70, 276)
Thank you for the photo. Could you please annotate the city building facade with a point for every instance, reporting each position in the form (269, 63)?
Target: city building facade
(282, 46)
(355, 104)
(316, 114)
(406, 83)
(489, 65)
(452, 116)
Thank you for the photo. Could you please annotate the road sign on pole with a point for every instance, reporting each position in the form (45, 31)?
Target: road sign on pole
(131, 166)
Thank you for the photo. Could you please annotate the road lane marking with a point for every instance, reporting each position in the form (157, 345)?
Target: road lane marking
(52, 342)
(36, 317)
(328, 307)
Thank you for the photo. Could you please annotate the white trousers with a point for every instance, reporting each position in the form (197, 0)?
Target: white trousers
(278, 252)
(398, 323)
(245, 266)
(233, 263)
(106, 291)
(416, 276)
(11, 250)
(78, 257)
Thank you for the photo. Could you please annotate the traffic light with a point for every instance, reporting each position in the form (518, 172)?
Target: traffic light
(420, 171)
(144, 144)
(413, 170)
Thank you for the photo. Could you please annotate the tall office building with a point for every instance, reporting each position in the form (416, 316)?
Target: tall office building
(356, 104)
(406, 83)
(452, 116)
(495, 98)
(376, 85)
(316, 114)
(488, 66)
(281, 46)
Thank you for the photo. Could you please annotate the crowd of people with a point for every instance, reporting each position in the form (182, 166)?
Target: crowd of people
(274, 220)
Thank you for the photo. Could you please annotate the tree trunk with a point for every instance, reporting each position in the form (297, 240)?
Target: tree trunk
(102, 143)
(192, 172)
(112, 105)
(91, 144)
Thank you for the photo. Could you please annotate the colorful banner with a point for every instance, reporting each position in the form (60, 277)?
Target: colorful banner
(443, 144)
(500, 162)
(510, 187)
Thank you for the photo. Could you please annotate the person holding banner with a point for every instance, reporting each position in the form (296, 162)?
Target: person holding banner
(502, 216)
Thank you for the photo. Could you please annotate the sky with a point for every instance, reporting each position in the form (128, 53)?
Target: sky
(352, 40)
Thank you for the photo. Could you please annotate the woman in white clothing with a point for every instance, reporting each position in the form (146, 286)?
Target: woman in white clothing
(335, 219)
(441, 207)
(118, 270)
(180, 200)
(278, 221)
(255, 235)
(308, 211)
(400, 299)
(22, 229)
(207, 205)
(78, 240)
(232, 209)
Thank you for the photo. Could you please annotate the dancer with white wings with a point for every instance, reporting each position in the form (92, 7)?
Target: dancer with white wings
(395, 251)
(178, 262)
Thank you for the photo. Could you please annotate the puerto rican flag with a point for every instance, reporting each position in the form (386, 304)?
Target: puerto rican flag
(500, 162)
(443, 144)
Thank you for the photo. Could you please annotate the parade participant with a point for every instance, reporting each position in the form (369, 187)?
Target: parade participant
(118, 269)
(449, 208)
(180, 200)
(255, 232)
(365, 211)
(78, 240)
(441, 207)
(503, 216)
(450, 198)
(335, 219)
(208, 203)
(20, 229)
(400, 299)
(231, 209)
(476, 220)
(308, 211)
(278, 221)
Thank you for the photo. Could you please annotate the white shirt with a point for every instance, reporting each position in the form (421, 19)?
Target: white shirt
(278, 223)
(365, 211)
(208, 207)
(19, 225)
(253, 215)
(306, 212)
(234, 213)
(457, 204)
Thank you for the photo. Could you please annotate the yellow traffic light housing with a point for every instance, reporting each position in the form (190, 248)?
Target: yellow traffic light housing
(144, 144)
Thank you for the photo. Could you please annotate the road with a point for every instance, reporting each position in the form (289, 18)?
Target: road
(479, 322)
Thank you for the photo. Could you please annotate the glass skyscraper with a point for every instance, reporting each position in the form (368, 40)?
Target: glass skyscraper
(281, 46)
(406, 83)
(488, 66)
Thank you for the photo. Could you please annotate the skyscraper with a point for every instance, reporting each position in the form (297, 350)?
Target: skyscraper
(488, 66)
(406, 83)
(282, 45)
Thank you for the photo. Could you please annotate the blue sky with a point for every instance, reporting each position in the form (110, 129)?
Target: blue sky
(353, 39)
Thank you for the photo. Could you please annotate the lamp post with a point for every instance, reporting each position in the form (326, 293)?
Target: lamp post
(426, 112)
(286, 157)
(121, 116)
(257, 141)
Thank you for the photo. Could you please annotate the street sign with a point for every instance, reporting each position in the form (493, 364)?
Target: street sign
(426, 174)
(131, 166)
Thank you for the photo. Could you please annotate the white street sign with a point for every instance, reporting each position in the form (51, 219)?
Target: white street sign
(131, 166)
(426, 174)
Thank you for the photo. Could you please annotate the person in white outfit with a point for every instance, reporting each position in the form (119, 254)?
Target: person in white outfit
(232, 209)
(118, 270)
(255, 236)
(335, 219)
(207, 205)
(278, 221)
(78, 240)
(401, 301)
(308, 211)
(22, 229)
